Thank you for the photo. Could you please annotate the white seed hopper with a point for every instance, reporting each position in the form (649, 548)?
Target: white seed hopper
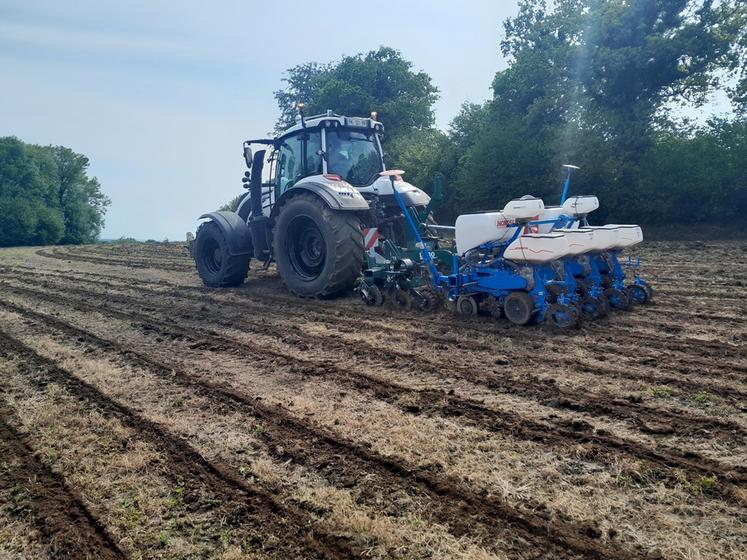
(605, 237)
(537, 248)
(628, 235)
(473, 230)
(527, 208)
(574, 207)
(580, 205)
(580, 241)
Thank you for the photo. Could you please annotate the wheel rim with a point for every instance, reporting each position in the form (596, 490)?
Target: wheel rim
(306, 248)
(213, 255)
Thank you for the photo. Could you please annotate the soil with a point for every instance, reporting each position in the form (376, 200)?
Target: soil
(144, 416)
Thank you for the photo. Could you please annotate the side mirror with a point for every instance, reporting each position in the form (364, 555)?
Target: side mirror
(248, 156)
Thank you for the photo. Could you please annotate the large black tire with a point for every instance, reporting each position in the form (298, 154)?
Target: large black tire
(216, 267)
(319, 251)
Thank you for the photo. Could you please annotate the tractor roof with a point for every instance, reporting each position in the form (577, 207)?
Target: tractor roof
(329, 119)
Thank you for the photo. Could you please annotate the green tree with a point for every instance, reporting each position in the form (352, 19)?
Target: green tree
(29, 222)
(233, 204)
(421, 154)
(738, 68)
(46, 196)
(81, 200)
(26, 171)
(589, 82)
(697, 175)
(380, 80)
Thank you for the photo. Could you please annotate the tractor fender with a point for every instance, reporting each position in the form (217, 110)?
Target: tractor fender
(234, 229)
(338, 195)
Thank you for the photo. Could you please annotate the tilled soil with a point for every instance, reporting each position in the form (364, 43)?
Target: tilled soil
(144, 416)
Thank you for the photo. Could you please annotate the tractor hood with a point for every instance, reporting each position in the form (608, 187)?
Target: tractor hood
(412, 195)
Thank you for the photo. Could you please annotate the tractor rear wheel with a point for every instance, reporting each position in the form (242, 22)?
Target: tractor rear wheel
(319, 252)
(216, 266)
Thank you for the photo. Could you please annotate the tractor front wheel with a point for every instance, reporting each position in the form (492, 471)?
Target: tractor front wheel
(319, 252)
(217, 267)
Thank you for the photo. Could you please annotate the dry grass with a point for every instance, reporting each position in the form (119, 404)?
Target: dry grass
(129, 486)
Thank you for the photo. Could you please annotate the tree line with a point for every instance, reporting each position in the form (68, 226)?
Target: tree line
(597, 83)
(46, 196)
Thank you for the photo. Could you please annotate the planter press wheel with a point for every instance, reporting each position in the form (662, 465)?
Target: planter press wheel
(402, 299)
(466, 305)
(562, 316)
(426, 300)
(619, 299)
(518, 308)
(638, 294)
(493, 307)
(593, 308)
(372, 295)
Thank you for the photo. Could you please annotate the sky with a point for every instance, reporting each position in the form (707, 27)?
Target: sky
(160, 95)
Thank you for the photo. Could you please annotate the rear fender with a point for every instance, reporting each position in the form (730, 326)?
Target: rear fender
(235, 231)
(336, 195)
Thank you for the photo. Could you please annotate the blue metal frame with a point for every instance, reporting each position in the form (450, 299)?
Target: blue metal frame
(566, 185)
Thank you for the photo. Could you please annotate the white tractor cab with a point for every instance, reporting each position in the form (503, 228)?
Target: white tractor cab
(311, 192)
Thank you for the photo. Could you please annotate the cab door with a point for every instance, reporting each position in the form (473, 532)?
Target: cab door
(298, 157)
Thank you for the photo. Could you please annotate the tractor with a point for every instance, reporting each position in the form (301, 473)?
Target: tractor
(318, 198)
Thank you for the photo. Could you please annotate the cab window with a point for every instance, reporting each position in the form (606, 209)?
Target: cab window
(290, 166)
(353, 155)
(313, 159)
(299, 158)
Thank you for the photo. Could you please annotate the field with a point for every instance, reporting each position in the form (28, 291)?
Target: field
(143, 416)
